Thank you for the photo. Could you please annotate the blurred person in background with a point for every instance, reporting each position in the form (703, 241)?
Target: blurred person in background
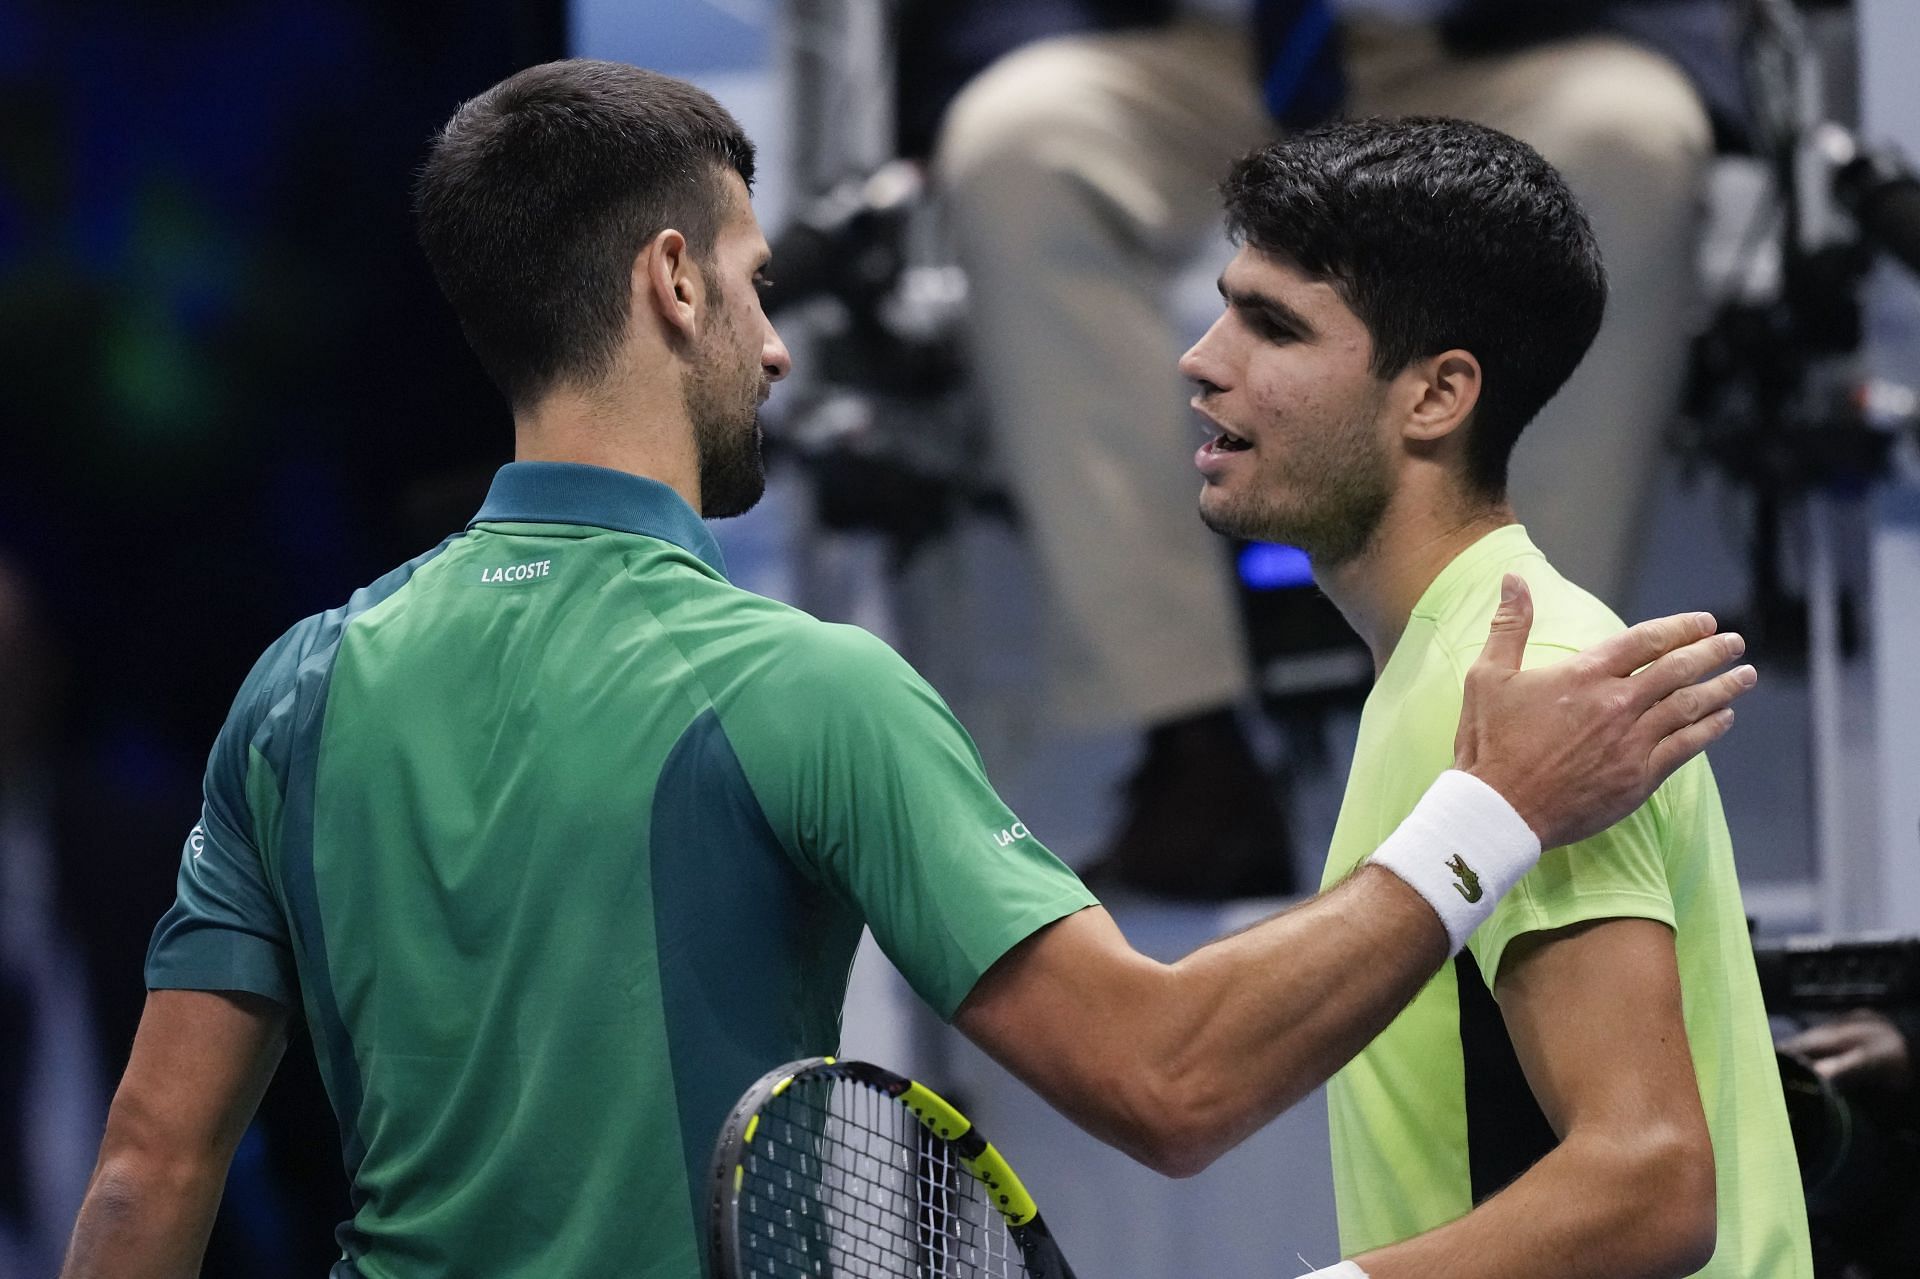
(1079, 171)
(52, 1093)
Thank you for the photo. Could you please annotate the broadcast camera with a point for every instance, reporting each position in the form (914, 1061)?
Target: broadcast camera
(1858, 1147)
(1775, 400)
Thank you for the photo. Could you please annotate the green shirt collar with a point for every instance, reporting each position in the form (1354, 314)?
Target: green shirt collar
(571, 493)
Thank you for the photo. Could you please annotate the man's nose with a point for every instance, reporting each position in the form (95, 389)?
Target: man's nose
(774, 357)
(1200, 365)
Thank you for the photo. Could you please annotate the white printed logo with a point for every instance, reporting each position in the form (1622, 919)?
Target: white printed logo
(517, 572)
(1014, 832)
(197, 841)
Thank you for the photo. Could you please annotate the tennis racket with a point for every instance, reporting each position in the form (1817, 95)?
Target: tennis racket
(842, 1169)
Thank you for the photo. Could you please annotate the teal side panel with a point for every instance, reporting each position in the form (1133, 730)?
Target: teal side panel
(290, 743)
(753, 956)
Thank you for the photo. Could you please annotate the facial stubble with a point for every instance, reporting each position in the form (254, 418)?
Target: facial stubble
(1341, 486)
(723, 392)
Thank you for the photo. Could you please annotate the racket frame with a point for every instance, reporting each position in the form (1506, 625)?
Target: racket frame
(1005, 1191)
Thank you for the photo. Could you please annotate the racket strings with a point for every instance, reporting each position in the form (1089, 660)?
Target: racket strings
(840, 1180)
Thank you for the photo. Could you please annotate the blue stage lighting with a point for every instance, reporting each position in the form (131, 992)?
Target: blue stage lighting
(1268, 566)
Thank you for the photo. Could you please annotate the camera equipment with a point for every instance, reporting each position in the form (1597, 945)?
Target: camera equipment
(883, 427)
(1859, 1149)
(1820, 974)
(1773, 400)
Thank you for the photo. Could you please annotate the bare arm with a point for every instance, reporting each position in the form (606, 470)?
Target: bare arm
(201, 1061)
(1175, 1064)
(1594, 1015)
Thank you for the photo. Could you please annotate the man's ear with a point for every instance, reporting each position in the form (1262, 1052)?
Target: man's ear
(667, 282)
(1444, 390)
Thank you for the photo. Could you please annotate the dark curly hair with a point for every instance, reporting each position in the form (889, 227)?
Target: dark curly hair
(1439, 234)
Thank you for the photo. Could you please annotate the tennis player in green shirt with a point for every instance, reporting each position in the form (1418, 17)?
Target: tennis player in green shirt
(1589, 1089)
(555, 839)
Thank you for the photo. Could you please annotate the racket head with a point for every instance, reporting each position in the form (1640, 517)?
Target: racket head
(847, 1169)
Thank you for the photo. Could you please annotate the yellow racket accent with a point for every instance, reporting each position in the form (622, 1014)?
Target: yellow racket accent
(1009, 1196)
(753, 1126)
(988, 1166)
(739, 1175)
(933, 1112)
(783, 1085)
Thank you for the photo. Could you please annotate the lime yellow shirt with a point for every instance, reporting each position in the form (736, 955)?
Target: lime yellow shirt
(1434, 1116)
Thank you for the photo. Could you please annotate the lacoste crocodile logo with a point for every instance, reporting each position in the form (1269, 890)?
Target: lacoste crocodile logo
(1469, 885)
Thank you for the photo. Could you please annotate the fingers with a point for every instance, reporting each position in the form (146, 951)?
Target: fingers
(1512, 621)
(1697, 701)
(1677, 748)
(1682, 667)
(1861, 1045)
(1844, 1063)
(1824, 1040)
(1627, 652)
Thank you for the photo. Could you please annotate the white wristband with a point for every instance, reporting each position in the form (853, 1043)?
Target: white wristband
(1345, 1270)
(1462, 847)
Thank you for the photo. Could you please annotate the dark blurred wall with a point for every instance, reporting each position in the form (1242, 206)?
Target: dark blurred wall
(229, 393)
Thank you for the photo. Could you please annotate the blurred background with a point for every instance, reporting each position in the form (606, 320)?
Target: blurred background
(230, 393)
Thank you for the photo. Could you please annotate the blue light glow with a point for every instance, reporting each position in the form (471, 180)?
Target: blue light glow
(1268, 566)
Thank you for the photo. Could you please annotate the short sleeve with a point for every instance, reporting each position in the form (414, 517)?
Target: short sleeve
(879, 794)
(226, 929)
(1620, 873)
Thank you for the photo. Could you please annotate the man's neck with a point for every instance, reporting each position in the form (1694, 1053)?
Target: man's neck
(1418, 537)
(640, 430)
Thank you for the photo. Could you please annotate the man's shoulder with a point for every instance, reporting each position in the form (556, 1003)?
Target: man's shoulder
(757, 657)
(303, 649)
(1566, 616)
(781, 640)
(1415, 708)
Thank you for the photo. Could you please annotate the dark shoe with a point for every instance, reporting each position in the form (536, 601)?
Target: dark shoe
(1203, 820)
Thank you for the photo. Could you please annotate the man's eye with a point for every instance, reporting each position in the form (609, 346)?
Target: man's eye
(1272, 330)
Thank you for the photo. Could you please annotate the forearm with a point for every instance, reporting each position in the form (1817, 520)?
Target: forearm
(1175, 1063)
(143, 1219)
(1637, 1206)
(1252, 1023)
(1263, 1017)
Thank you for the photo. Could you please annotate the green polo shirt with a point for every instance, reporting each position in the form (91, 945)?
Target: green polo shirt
(1435, 1114)
(559, 840)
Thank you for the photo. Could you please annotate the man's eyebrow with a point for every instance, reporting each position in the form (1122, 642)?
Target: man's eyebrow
(1267, 307)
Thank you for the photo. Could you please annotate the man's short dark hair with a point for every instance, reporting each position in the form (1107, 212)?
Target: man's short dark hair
(539, 193)
(1439, 234)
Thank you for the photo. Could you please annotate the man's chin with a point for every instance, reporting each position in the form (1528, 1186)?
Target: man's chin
(1231, 520)
(733, 484)
(740, 495)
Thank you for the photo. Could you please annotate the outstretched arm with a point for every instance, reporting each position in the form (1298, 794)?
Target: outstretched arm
(201, 1061)
(1176, 1063)
(1594, 1015)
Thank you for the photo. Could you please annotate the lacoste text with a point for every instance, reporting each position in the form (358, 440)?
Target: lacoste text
(517, 572)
